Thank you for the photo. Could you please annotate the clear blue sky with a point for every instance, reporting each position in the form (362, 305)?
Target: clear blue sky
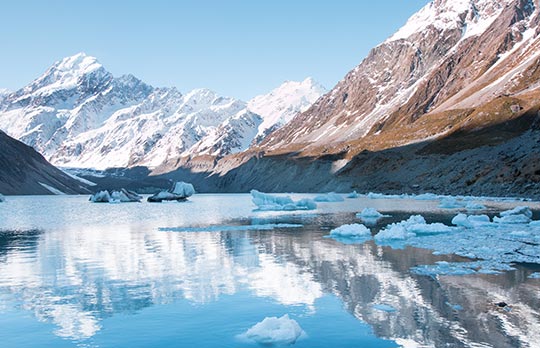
(237, 48)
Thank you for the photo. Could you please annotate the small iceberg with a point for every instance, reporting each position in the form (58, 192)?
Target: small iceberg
(518, 215)
(268, 202)
(274, 331)
(415, 225)
(535, 275)
(351, 231)
(122, 196)
(180, 191)
(370, 213)
(475, 206)
(329, 197)
(353, 194)
(451, 203)
(471, 221)
(521, 210)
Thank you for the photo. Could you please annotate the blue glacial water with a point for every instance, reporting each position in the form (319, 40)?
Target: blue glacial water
(201, 273)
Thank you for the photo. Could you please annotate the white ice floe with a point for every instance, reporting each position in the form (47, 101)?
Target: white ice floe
(415, 225)
(370, 213)
(471, 221)
(183, 189)
(451, 203)
(121, 196)
(521, 210)
(329, 197)
(512, 219)
(351, 231)
(223, 228)
(353, 194)
(535, 275)
(273, 330)
(268, 202)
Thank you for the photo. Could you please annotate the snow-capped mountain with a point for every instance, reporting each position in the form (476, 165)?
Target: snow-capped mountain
(283, 103)
(450, 57)
(79, 115)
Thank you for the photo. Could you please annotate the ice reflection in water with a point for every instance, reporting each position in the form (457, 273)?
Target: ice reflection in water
(80, 275)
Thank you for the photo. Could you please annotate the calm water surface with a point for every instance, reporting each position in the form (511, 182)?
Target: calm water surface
(76, 274)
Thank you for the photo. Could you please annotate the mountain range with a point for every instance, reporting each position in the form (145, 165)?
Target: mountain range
(449, 104)
(77, 114)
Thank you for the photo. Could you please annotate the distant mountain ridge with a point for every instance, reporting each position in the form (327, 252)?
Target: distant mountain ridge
(77, 114)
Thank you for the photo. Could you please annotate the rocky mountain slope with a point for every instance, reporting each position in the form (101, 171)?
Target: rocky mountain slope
(77, 114)
(450, 59)
(449, 103)
(24, 171)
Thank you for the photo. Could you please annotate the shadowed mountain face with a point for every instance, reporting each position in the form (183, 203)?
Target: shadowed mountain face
(23, 171)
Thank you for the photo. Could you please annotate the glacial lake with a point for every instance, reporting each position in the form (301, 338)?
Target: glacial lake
(203, 272)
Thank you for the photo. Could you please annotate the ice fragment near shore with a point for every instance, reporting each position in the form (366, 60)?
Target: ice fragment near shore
(353, 194)
(268, 202)
(521, 210)
(273, 330)
(370, 213)
(329, 197)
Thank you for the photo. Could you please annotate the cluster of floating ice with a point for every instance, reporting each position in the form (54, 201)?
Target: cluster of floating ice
(121, 196)
(268, 202)
(274, 331)
(329, 197)
(494, 244)
(455, 203)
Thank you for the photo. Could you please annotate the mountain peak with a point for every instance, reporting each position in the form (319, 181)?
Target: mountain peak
(80, 62)
(470, 16)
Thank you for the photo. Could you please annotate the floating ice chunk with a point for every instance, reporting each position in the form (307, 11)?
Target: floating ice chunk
(535, 223)
(521, 210)
(475, 206)
(180, 191)
(535, 275)
(384, 308)
(122, 196)
(273, 330)
(434, 228)
(393, 232)
(512, 219)
(471, 221)
(451, 203)
(329, 197)
(183, 189)
(353, 194)
(369, 213)
(351, 231)
(101, 197)
(268, 202)
(426, 197)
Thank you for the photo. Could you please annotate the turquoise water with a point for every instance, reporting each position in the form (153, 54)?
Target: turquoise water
(77, 274)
